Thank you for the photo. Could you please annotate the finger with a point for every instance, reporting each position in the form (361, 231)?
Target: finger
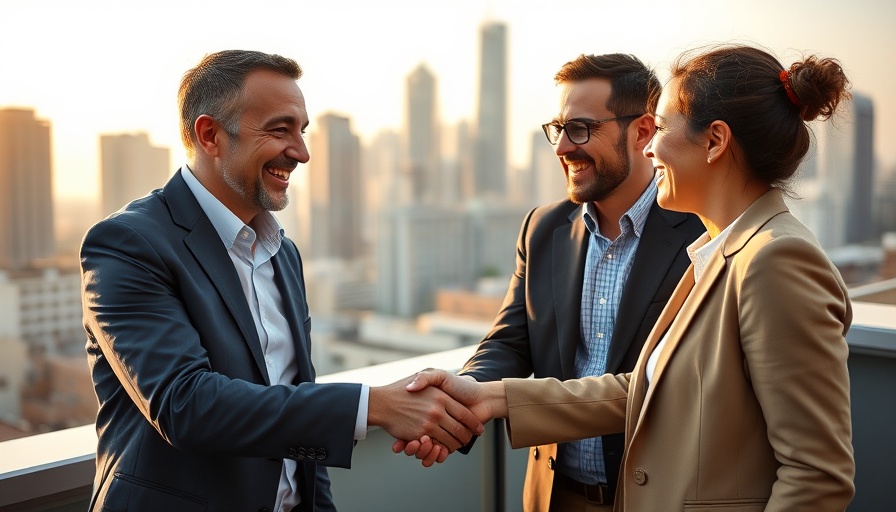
(425, 450)
(426, 378)
(412, 447)
(443, 454)
(399, 445)
(466, 418)
(432, 456)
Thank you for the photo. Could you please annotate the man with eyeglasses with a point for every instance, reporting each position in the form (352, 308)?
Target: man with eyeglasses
(592, 272)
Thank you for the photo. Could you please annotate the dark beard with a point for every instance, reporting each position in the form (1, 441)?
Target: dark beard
(607, 176)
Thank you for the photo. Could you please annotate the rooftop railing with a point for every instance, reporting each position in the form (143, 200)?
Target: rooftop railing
(54, 471)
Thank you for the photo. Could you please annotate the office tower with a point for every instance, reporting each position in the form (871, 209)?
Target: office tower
(422, 135)
(834, 183)
(547, 179)
(860, 224)
(491, 129)
(26, 194)
(419, 250)
(335, 191)
(131, 167)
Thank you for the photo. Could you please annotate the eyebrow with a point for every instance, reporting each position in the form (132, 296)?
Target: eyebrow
(285, 119)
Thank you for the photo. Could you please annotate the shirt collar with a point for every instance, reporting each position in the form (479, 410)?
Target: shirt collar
(228, 225)
(633, 219)
(703, 248)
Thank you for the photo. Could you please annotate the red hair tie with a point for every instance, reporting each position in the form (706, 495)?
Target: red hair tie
(785, 79)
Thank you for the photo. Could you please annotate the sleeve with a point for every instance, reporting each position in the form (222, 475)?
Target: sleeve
(505, 350)
(144, 334)
(794, 313)
(544, 411)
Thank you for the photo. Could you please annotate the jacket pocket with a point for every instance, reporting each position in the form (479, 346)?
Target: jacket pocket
(744, 505)
(128, 493)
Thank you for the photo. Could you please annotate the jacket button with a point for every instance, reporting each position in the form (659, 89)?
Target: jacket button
(535, 452)
(640, 476)
(321, 454)
(551, 462)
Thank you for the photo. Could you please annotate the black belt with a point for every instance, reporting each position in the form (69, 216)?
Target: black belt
(597, 493)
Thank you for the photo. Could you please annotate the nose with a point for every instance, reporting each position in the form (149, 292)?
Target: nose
(298, 150)
(648, 149)
(564, 145)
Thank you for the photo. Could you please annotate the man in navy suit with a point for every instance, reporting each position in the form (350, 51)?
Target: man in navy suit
(198, 329)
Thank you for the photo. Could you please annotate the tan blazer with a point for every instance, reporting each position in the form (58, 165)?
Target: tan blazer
(749, 405)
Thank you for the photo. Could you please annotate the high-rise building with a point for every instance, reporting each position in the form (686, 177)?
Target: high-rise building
(548, 181)
(861, 226)
(335, 191)
(26, 194)
(834, 183)
(422, 135)
(421, 249)
(491, 129)
(131, 167)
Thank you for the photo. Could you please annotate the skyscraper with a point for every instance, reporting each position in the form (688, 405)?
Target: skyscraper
(26, 194)
(491, 129)
(835, 179)
(335, 194)
(422, 134)
(131, 167)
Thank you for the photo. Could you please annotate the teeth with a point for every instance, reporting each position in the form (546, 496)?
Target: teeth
(283, 175)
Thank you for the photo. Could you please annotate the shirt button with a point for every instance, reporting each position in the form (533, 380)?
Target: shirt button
(609, 256)
(600, 335)
(245, 235)
(551, 462)
(602, 301)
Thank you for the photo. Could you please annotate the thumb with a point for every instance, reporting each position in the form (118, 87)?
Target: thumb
(426, 378)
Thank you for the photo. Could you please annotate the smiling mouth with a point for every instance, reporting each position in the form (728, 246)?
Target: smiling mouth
(278, 173)
(577, 167)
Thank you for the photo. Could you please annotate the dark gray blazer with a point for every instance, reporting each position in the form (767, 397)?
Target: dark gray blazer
(538, 327)
(187, 417)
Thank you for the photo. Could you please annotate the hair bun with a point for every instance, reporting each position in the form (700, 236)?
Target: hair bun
(820, 85)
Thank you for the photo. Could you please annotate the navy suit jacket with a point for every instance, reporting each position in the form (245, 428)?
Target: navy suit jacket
(187, 417)
(539, 325)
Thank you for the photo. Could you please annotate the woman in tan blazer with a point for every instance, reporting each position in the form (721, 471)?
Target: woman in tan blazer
(740, 398)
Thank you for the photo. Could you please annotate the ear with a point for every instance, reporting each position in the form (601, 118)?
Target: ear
(208, 132)
(718, 140)
(644, 127)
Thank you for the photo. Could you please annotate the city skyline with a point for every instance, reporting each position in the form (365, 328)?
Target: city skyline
(89, 69)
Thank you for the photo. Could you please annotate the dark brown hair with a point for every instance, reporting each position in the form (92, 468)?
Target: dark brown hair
(634, 87)
(215, 85)
(743, 87)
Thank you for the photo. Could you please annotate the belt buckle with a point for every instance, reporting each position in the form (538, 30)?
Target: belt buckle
(595, 493)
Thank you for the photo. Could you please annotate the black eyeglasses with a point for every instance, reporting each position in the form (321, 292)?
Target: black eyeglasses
(578, 130)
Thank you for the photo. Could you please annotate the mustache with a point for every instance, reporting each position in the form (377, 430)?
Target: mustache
(283, 162)
(577, 155)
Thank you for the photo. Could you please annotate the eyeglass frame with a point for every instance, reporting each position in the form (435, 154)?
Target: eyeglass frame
(590, 124)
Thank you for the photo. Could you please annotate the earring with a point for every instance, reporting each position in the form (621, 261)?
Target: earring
(709, 160)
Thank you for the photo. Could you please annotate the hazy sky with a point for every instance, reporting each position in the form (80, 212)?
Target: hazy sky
(94, 67)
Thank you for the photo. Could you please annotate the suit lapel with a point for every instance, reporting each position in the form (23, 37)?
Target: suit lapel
(660, 243)
(206, 246)
(287, 277)
(569, 249)
(689, 297)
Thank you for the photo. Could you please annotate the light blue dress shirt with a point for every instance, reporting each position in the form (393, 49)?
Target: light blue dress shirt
(607, 267)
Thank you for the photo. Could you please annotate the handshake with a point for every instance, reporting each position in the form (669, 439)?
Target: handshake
(433, 413)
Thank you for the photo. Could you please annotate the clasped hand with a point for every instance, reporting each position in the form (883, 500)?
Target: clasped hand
(464, 390)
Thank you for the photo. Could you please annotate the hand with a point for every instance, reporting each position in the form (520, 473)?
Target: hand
(429, 412)
(425, 449)
(464, 389)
